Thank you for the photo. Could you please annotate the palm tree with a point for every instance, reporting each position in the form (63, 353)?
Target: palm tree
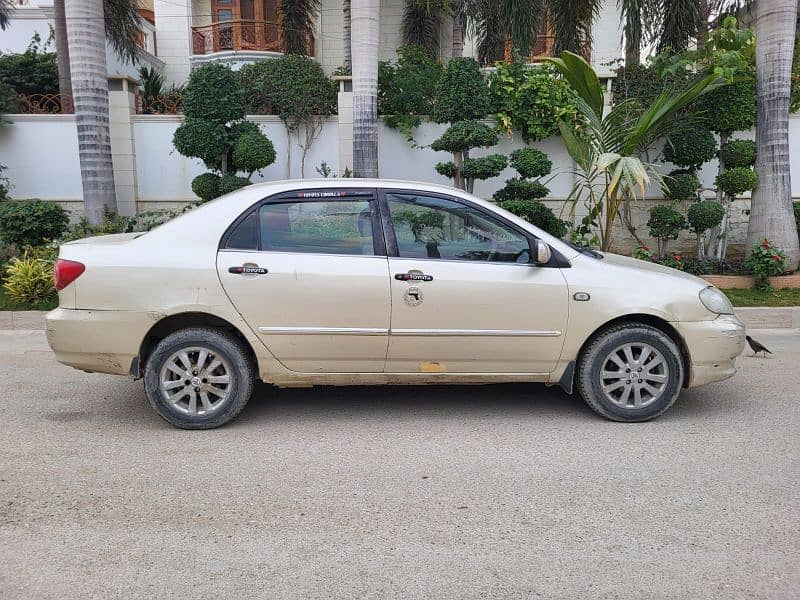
(348, 60)
(86, 34)
(297, 18)
(62, 57)
(771, 214)
(421, 23)
(572, 24)
(680, 23)
(606, 146)
(365, 25)
(6, 8)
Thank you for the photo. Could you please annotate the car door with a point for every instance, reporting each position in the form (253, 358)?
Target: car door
(465, 296)
(308, 272)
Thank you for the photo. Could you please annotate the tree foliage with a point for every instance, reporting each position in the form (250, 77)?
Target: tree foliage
(738, 153)
(704, 215)
(460, 138)
(731, 107)
(538, 214)
(690, 146)
(462, 94)
(665, 224)
(531, 162)
(679, 186)
(465, 135)
(34, 71)
(737, 180)
(530, 100)
(297, 20)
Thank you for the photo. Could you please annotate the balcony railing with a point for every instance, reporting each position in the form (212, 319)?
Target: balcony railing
(236, 35)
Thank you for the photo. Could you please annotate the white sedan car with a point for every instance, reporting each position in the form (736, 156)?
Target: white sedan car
(366, 282)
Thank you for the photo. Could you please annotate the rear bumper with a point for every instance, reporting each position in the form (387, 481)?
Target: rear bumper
(713, 347)
(98, 341)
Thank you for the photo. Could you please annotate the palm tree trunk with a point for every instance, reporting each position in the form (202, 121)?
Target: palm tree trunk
(365, 18)
(771, 214)
(348, 61)
(457, 48)
(86, 34)
(62, 57)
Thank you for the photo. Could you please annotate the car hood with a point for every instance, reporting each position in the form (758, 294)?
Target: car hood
(643, 266)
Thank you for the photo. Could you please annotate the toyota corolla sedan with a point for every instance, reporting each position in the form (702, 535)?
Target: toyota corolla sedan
(369, 282)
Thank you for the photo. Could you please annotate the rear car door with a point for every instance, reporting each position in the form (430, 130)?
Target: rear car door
(465, 296)
(308, 272)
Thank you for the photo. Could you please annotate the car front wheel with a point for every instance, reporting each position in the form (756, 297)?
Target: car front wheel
(199, 378)
(630, 372)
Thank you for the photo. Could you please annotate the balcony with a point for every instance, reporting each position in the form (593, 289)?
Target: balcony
(237, 36)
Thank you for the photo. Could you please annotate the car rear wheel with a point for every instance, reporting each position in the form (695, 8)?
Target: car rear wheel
(199, 378)
(630, 372)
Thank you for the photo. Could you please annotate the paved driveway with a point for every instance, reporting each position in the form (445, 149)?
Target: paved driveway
(508, 491)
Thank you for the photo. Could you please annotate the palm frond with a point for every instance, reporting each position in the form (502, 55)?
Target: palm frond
(297, 19)
(521, 22)
(572, 23)
(487, 28)
(6, 8)
(421, 23)
(580, 75)
(122, 27)
(681, 22)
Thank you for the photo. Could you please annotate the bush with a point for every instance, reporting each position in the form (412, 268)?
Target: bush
(252, 152)
(230, 183)
(463, 135)
(731, 107)
(665, 224)
(30, 72)
(484, 167)
(29, 280)
(206, 186)
(738, 153)
(530, 162)
(204, 139)
(690, 146)
(765, 260)
(704, 215)
(8, 100)
(530, 100)
(681, 185)
(644, 83)
(31, 222)
(537, 214)
(448, 169)
(406, 89)
(461, 94)
(737, 180)
(214, 94)
(520, 189)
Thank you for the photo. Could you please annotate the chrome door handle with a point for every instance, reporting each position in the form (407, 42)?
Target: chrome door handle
(413, 276)
(248, 270)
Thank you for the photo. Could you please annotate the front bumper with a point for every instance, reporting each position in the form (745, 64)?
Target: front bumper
(99, 341)
(713, 347)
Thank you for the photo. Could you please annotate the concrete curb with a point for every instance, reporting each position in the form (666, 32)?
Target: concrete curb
(754, 318)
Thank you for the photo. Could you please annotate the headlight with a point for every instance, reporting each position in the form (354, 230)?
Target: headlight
(716, 301)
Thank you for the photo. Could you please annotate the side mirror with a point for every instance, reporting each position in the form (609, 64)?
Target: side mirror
(541, 252)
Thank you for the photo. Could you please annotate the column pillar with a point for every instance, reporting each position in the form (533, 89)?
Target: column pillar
(122, 106)
(174, 37)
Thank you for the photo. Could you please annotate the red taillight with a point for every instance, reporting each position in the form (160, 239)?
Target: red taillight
(66, 271)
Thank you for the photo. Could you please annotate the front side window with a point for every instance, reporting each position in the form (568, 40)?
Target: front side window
(431, 227)
(325, 227)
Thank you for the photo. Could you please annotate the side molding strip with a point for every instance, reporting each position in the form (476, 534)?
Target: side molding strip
(408, 332)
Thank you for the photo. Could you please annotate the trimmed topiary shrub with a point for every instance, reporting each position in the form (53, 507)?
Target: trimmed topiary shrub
(230, 183)
(530, 162)
(484, 167)
(738, 153)
(459, 139)
(681, 185)
(462, 94)
(520, 189)
(737, 180)
(690, 146)
(31, 222)
(704, 215)
(537, 214)
(206, 186)
(731, 107)
(665, 224)
(216, 132)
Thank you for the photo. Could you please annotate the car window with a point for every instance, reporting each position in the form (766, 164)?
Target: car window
(431, 227)
(245, 235)
(325, 227)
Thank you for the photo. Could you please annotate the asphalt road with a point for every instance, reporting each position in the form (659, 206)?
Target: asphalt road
(473, 492)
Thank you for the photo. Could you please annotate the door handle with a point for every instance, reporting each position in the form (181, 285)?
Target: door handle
(413, 276)
(248, 270)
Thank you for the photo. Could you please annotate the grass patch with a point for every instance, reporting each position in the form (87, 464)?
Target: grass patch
(787, 297)
(7, 304)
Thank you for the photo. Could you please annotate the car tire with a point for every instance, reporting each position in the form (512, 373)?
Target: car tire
(211, 389)
(623, 359)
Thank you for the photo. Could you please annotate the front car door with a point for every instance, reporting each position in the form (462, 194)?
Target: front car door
(308, 273)
(465, 296)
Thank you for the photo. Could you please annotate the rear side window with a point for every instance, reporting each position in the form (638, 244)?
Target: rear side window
(325, 227)
(245, 235)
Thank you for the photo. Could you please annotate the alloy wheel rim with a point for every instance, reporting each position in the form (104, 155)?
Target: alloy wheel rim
(196, 380)
(634, 375)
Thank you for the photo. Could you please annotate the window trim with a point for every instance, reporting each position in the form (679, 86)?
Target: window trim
(557, 260)
(314, 195)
